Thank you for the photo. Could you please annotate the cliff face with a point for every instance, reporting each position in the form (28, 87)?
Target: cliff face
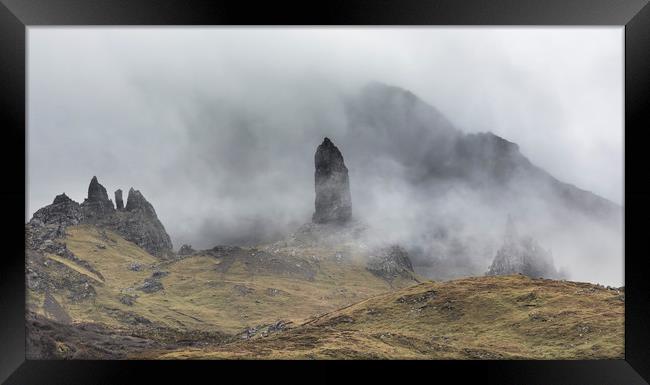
(137, 222)
(97, 205)
(333, 201)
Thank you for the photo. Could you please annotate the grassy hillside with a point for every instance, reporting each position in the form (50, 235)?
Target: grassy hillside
(114, 300)
(505, 317)
(225, 291)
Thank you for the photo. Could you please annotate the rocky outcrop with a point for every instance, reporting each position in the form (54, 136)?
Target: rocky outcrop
(97, 205)
(390, 262)
(186, 250)
(119, 203)
(63, 211)
(137, 202)
(49, 223)
(333, 201)
(328, 235)
(137, 222)
(522, 255)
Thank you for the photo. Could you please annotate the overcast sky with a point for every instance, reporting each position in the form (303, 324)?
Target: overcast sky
(150, 107)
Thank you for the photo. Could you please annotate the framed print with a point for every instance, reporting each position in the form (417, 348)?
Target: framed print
(392, 189)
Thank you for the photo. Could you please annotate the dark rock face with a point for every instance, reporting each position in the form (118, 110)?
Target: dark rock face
(119, 203)
(96, 192)
(97, 205)
(140, 225)
(522, 255)
(333, 201)
(137, 202)
(390, 262)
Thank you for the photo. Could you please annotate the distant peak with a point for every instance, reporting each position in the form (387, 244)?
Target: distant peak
(136, 201)
(376, 86)
(62, 198)
(96, 192)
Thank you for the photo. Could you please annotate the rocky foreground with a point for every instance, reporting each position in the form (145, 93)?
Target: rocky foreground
(504, 317)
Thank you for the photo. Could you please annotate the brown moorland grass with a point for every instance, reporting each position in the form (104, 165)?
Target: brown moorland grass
(505, 317)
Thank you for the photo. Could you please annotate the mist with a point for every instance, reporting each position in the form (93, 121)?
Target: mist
(217, 127)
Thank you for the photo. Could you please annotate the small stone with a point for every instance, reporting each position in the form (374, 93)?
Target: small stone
(128, 300)
(159, 274)
(135, 267)
(151, 285)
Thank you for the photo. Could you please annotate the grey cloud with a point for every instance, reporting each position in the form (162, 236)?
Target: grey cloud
(217, 127)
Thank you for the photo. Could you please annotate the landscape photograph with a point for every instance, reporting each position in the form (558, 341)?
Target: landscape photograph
(327, 193)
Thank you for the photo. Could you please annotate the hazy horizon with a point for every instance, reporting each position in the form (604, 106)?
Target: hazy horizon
(217, 126)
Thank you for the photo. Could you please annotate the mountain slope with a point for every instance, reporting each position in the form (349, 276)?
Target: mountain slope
(111, 281)
(505, 317)
(394, 122)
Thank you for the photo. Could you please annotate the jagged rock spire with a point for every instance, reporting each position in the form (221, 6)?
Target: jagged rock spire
(150, 234)
(119, 203)
(333, 201)
(97, 205)
(96, 192)
(136, 201)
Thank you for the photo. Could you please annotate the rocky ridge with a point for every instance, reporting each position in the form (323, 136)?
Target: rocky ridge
(137, 222)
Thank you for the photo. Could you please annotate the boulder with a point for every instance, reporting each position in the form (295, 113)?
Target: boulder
(151, 285)
(186, 250)
(390, 262)
(333, 202)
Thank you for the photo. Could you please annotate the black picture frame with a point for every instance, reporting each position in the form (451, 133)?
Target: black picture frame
(17, 15)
